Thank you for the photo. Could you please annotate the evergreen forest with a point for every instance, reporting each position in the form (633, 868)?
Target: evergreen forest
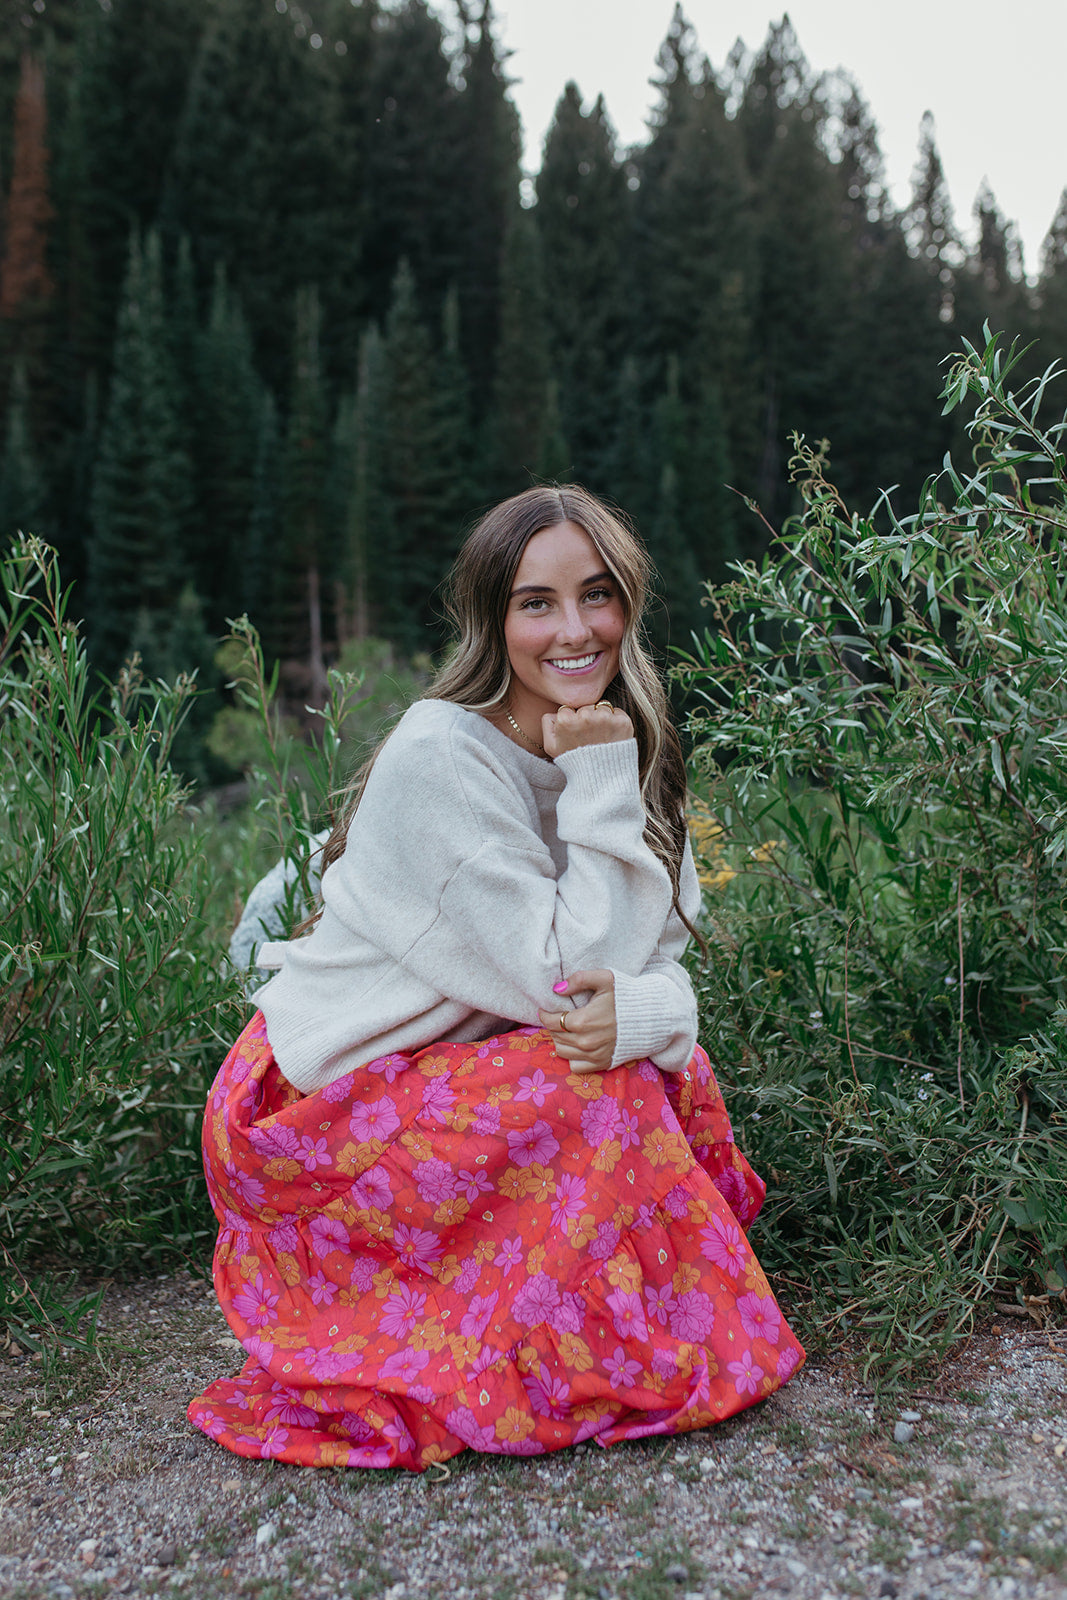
(280, 312)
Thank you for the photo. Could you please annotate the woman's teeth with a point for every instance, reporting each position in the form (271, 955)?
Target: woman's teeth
(575, 663)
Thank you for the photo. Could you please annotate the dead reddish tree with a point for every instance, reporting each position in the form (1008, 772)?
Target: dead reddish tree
(24, 277)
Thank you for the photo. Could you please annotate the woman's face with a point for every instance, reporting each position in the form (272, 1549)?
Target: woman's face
(563, 626)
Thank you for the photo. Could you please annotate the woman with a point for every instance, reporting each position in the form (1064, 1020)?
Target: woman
(455, 1210)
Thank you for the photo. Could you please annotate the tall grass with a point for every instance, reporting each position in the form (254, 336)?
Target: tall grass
(882, 737)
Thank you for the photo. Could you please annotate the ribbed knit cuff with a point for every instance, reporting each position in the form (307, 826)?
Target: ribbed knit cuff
(652, 1019)
(593, 769)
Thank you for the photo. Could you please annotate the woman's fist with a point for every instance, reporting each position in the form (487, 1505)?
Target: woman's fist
(570, 728)
(588, 1038)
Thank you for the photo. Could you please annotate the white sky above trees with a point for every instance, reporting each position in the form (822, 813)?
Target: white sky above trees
(991, 71)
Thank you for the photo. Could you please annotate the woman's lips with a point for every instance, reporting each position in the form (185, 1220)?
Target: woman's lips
(562, 664)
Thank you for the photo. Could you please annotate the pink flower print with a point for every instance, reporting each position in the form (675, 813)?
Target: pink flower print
(259, 1349)
(255, 1304)
(469, 1274)
(628, 1315)
(418, 1247)
(486, 1358)
(328, 1233)
(486, 1120)
(284, 1236)
(693, 1317)
(660, 1302)
(548, 1395)
(569, 1315)
(536, 1300)
(248, 1190)
(421, 1394)
(746, 1374)
(623, 1371)
(664, 1364)
(464, 1424)
(354, 1427)
(368, 1455)
(529, 1145)
(436, 1181)
(536, 1088)
(438, 1099)
(291, 1413)
(675, 1201)
(509, 1255)
(372, 1190)
(405, 1365)
(600, 1120)
(472, 1184)
(274, 1442)
(760, 1317)
(730, 1186)
(363, 1270)
(323, 1292)
(788, 1362)
(313, 1153)
(604, 1242)
(274, 1141)
(326, 1364)
(373, 1119)
(389, 1066)
(340, 1089)
(646, 1215)
(724, 1244)
(628, 1134)
(570, 1196)
(402, 1311)
(476, 1320)
(398, 1429)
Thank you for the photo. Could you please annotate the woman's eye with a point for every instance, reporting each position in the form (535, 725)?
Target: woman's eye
(534, 603)
(599, 594)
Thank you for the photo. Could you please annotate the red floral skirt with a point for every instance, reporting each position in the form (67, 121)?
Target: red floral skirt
(471, 1247)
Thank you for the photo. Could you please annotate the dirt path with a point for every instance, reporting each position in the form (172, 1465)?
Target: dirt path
(106, 1490)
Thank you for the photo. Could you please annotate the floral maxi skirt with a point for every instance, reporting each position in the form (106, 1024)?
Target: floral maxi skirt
(469, 1246)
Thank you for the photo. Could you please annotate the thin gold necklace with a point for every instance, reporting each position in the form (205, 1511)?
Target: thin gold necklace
(531, 742)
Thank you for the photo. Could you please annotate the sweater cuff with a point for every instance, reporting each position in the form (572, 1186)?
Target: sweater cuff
(653, 1018)
(594, 768)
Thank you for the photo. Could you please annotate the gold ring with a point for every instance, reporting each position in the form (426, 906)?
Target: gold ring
(603, 705)
(563, 1021)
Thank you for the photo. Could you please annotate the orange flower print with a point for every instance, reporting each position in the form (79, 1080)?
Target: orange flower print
(575, 1352)
(282, 1170)
(512, 1184)
(498, 1094)
(451, 1212)
(539, 1183)
(657, 1147)
(622, 1272)
(535, 1260)
(417, 1145)
(608, 1156)
(514, 1426)
(586, 1085)
(584, 1231)
(686, 1277)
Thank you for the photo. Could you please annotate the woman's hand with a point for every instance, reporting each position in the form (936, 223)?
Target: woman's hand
(588, 1040)
(569, 729)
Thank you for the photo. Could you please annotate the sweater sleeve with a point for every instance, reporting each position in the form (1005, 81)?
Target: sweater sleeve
(656, 1012)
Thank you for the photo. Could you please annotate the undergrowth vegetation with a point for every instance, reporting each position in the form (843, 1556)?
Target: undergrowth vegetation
(880, 737)
(880, 745)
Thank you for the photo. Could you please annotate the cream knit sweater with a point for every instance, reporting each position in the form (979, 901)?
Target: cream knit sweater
(475, 876)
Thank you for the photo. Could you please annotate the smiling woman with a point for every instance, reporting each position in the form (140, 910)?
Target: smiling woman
(476, 1183)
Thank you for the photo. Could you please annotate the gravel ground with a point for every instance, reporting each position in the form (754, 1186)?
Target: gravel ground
(960, 1490)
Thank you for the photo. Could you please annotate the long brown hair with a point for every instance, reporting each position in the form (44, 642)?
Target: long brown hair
(477, 674)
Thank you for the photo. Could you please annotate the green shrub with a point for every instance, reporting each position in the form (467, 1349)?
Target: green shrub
(882, 730)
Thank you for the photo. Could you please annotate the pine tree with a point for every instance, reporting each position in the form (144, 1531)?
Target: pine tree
(930, 228)
(368, 583)
(581, 219)
(141, 500)
(487, 152)
(515, 428)
(303, 491)
(256, 581)
(417, 472)
(228, 417)
(678, 583)
(22, 490)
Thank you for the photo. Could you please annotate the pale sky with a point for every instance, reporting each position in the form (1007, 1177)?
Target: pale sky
(991, 71)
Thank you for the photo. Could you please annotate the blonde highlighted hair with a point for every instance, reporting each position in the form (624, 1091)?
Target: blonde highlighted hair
(477, 674)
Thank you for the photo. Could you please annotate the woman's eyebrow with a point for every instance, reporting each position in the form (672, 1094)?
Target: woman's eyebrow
(545, 588)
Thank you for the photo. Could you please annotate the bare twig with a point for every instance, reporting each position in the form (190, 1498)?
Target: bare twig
(959, 942)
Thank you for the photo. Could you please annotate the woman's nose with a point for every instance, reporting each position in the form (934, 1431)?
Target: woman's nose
(573, 626)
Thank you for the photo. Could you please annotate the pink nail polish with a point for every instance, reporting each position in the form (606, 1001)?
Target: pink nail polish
(560, 987)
